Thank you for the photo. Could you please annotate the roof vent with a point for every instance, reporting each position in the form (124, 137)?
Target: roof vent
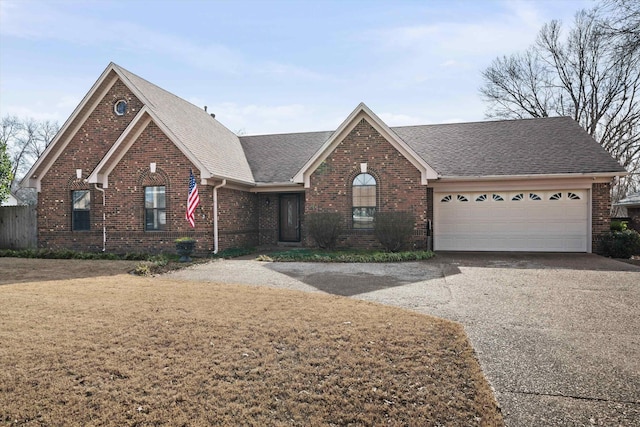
(205, 108)
(213, 115)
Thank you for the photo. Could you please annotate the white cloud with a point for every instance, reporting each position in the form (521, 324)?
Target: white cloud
(45, 21)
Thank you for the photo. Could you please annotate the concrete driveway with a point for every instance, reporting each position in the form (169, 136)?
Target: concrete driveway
(558, 336)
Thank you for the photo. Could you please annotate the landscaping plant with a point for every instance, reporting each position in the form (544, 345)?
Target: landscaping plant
(620, 244)
(393, 229)
(324, 228)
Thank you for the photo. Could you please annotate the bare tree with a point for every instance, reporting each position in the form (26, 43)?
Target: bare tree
(586, 74)
(26, 140)
(622, 21)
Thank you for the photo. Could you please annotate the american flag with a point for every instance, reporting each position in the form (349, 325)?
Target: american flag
(193, 200)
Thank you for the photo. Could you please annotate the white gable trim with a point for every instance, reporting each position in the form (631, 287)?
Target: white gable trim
(363, 112)
(70, 128)
(100, 175)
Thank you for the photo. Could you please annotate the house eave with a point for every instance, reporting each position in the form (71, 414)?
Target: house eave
(215, 179)
(591, 175)
(360, 112)
(277, 187)
(68, 130)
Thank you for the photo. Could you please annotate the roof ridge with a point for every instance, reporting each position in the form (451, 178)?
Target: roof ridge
(484, 122)
(414, 126)
(285, 133)
(155, 86)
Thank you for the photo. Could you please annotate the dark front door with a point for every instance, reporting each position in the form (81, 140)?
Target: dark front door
(289, 217)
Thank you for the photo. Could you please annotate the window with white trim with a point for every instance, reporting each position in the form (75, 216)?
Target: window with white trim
(155, 214)
(81, 210)
(363, 201)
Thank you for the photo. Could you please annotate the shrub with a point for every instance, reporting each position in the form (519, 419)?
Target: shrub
(618, 225)
(142, 269)
(315, 255)
(393, 229)
(234, 252)
(324, 228)
(620, 244)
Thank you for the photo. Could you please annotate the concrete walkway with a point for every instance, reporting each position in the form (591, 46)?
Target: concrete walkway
(558, 336)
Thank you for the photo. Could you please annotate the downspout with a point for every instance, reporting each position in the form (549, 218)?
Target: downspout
(215, 215)
(104, 218)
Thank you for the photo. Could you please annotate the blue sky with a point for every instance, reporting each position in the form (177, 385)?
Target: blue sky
(269, 66)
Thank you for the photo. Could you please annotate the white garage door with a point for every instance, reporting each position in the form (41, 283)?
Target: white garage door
(544, 221)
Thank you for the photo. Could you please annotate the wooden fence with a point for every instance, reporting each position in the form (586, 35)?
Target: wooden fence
(18, 227)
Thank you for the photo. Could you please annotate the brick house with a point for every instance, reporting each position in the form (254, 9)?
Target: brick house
(632, 205)
(116, 176)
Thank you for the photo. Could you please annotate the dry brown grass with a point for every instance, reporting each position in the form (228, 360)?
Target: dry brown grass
(125, 350)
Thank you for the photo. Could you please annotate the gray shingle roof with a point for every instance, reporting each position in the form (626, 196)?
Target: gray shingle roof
(217, 148)
(631, 200)
(556, 145)
(277, 158)
(540, 146)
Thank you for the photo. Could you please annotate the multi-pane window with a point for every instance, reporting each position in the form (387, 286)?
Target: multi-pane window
(155, 215)
(364, 200)
(80, 210)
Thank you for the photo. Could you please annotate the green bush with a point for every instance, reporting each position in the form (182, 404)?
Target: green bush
(315, 255)
(69, 254)
(234, 252)
(393, 229)
(620, 244)
(617, 225)
(324, 228)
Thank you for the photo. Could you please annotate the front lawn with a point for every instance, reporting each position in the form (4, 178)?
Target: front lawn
(127, 350)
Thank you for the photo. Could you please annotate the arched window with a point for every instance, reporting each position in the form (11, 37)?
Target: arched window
(364, 200)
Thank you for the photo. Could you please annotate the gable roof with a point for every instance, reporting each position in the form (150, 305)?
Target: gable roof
(363, 112)
(217, 148)
(214, 149)
(542, 146)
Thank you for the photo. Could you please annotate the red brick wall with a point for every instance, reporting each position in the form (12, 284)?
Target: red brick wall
(84, 151)
(237, 219)
(125, 198)
(398, 183)
(268, 219)
(124, 209)
(600, 212)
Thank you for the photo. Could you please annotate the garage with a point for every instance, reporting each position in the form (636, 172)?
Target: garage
(524, 220)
